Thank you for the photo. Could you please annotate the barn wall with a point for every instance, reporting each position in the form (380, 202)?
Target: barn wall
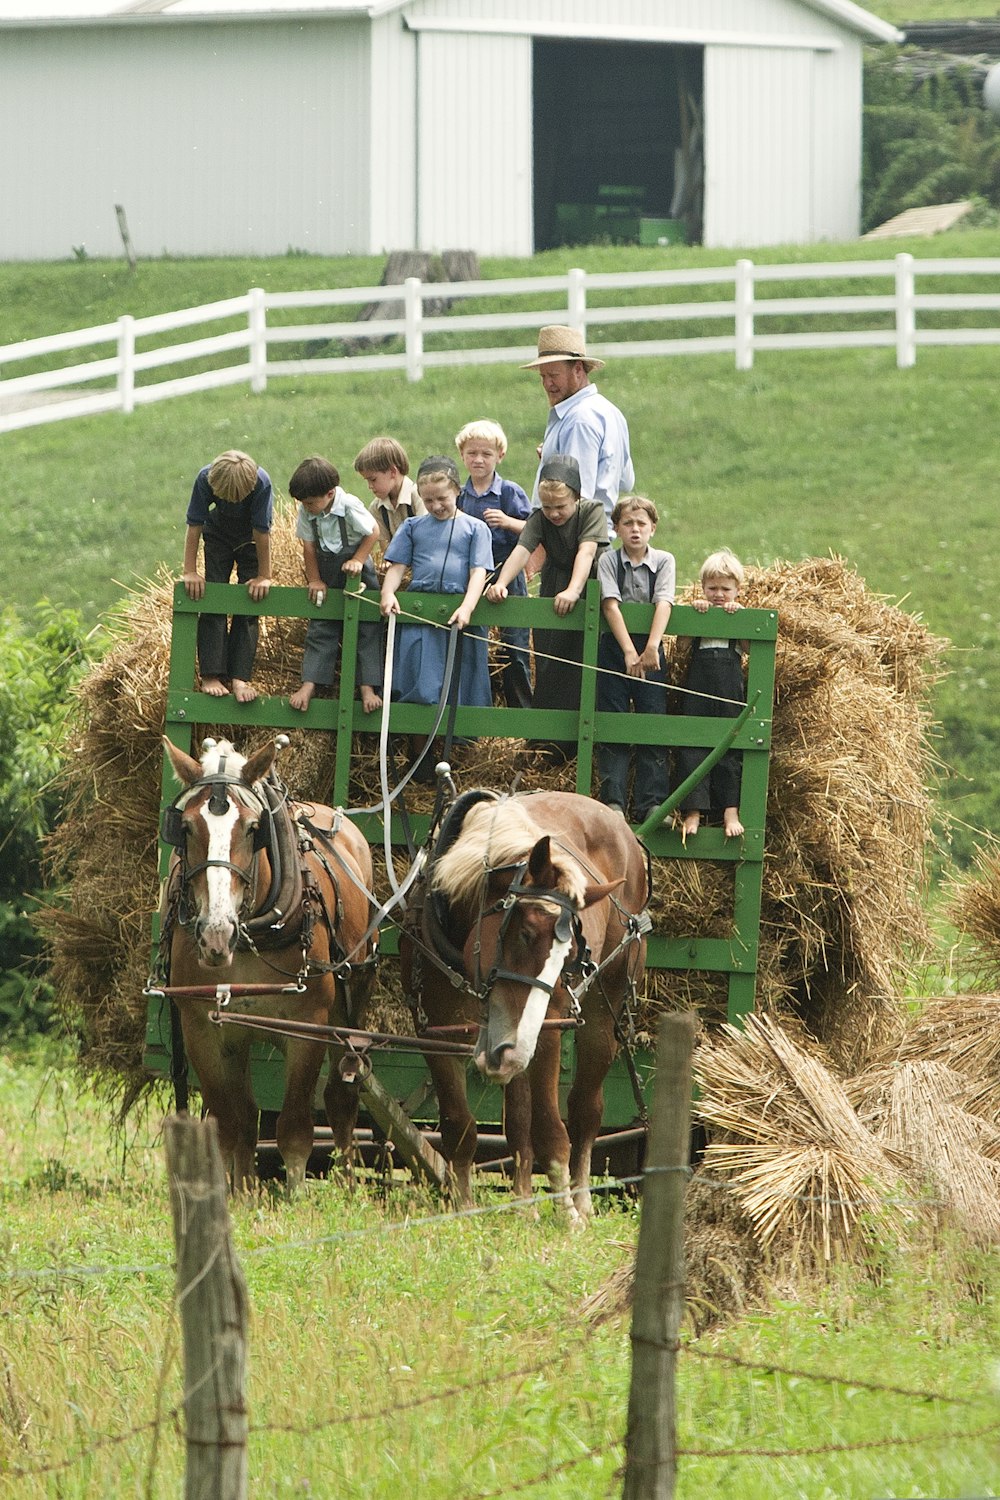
(730, 17)
(393, 128)
(474, 165)
(782, 146)
(222, 139)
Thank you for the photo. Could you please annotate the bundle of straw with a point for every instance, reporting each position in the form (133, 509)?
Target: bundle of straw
(807, 1173)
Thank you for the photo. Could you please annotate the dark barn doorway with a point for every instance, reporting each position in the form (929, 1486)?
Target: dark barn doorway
(617, 143)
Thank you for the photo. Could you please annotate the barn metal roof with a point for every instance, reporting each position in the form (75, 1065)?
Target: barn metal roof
(28, 13)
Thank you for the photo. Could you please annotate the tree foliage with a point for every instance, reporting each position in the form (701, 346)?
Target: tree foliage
(38, 668)
(927, 138)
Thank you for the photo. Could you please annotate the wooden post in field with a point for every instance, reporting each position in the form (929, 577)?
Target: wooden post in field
(212, 1298)
(658, 1304)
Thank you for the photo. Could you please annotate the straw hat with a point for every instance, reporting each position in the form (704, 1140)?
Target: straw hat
(557, 342)
(232, 476)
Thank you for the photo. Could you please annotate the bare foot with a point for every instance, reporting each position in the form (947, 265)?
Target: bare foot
(302, 698)
(691, 824)
(731, 823)
(370, 700)
(243, 692)
(214, 686)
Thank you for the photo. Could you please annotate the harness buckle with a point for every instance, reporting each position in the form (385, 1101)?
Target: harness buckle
(223, 995)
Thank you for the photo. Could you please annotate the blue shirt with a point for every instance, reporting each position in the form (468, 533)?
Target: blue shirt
(503, 495)
(591, 429)
(255, 513)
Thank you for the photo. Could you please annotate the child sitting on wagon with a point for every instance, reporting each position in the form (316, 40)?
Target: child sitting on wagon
(717, 690)
(337, 535)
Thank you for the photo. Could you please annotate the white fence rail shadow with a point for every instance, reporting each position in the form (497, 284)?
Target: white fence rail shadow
(732, 318)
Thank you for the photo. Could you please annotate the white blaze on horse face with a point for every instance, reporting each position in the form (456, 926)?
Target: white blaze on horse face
(221, 915)
(528, 1027)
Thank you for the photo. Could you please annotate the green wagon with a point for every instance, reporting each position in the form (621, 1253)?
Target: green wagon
(401, 1080)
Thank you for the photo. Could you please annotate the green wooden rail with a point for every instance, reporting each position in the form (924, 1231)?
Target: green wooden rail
(734, 955)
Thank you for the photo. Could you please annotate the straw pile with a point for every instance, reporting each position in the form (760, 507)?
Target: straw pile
(924, 1113)
(848, 817)
(975, 909)
(810, 1177)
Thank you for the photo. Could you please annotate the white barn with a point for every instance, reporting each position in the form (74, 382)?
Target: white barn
(502, 126)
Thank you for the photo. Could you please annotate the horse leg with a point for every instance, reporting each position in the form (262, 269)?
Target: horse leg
(303, 1061)
(596, 1048)
(517, 1128)
(548, 1133)
(341, 1100)
(221, 1059)
(458, 1125)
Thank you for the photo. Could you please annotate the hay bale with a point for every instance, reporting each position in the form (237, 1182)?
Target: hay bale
(974, 907)
(848, 815)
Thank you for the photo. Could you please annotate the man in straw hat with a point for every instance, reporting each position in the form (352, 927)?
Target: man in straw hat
(582, 423)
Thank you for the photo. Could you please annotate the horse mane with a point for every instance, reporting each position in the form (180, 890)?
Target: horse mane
(494, 834)
(211, 757)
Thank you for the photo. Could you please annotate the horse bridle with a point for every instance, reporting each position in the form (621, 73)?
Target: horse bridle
(568, 928)
(172, 832)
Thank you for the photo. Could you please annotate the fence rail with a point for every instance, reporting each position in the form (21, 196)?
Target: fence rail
(427, 332)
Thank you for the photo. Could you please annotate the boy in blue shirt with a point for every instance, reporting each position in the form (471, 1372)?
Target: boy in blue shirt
(230, 510)
(337, 535)
(505, 508)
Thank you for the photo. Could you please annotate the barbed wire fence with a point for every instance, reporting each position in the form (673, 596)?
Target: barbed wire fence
(212, 1419)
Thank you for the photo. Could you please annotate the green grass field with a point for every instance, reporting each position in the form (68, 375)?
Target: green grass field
(394, 1351)
(810, 453)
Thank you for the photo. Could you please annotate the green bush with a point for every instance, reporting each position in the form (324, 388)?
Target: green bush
(927, 138)
(38, 668)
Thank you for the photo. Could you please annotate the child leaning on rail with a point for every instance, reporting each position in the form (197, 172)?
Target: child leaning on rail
(716, 690)
(230, 511)
(574, 533)
(385, 467)
(337, 536)
(505, 508)
(632, 671)
(449, 553)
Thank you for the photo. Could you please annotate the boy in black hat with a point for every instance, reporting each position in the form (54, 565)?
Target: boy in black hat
(573, 533)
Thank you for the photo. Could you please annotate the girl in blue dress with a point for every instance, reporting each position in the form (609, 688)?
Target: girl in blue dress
(449, 553)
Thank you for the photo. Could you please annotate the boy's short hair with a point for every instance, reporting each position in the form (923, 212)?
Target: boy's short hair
(553, 490)
(314, 476)
(484, 431)
(380, 455)
(439, 466)
(232, 476)
(723, 564)
(561, 470)
(634, 502)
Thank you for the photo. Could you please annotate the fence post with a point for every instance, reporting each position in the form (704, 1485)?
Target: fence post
(212, 1299)
(126, 363)
(658, 1305)
(414, 308)
(257, 327)
(744, 315)
(576, 299)
(906, 313)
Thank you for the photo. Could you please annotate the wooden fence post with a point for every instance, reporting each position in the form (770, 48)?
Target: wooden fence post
(212, 1298)
(658, 1305)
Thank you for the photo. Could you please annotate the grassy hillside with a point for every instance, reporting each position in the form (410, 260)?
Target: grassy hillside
(901, 11)
(809, 453)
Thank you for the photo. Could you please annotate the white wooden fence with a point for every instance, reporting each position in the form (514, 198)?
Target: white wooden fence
(735, 306)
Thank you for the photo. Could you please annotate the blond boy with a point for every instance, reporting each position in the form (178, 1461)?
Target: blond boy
(717, 690)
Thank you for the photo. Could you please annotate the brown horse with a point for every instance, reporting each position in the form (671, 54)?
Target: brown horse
(536, 898)
(264, 892)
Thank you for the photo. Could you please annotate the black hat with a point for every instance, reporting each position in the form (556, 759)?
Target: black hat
(562, 470)
(439, 463)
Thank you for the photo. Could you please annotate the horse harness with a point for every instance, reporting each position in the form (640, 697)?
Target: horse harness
(294, 901)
